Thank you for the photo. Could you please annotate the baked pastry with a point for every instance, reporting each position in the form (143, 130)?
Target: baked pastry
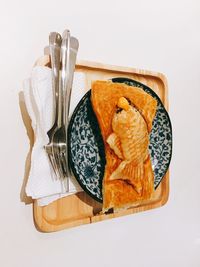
(125, 115)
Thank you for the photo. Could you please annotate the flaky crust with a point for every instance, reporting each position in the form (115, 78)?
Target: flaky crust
(119, 194)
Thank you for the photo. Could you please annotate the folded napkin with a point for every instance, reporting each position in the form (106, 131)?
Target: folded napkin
(42, 183)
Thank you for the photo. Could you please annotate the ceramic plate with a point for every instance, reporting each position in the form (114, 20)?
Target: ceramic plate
(86, 148)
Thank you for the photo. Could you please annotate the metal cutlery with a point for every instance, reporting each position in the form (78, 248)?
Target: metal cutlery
(69, 50)
(55, 41)
(63, 51)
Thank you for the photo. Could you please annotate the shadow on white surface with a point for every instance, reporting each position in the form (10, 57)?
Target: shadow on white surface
(27, 123)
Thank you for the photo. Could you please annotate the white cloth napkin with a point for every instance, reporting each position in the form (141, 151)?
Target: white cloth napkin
(42, 183)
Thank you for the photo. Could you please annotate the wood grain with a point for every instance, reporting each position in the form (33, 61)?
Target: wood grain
(79, 209)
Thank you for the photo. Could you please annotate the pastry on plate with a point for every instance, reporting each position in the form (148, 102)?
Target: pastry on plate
(125, 115)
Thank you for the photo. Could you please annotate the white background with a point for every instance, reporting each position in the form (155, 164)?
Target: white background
(156, 35)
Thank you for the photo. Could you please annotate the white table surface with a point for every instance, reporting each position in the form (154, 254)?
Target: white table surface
(156, 35)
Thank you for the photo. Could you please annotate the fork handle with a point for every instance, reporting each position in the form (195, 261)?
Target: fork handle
(55, 41)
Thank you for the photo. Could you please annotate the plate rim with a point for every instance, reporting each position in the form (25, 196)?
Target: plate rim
(71, 164)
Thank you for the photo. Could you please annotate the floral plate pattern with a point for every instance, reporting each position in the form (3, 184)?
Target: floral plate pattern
(86, 148)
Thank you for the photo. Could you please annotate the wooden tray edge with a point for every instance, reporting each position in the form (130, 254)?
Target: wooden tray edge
(44, 60)
(46, 227)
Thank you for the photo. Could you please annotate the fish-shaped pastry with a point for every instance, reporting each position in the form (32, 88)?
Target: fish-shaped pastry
(125, 115)
(129, 141)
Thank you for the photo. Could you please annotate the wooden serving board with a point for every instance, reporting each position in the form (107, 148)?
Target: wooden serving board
(80, 208)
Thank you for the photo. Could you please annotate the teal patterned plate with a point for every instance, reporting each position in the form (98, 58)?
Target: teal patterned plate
(86, 148)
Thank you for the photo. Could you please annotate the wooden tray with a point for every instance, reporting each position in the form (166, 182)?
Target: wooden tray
(80, 208)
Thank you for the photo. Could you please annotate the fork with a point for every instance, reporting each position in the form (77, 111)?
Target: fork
(69, 50)
(55, 41)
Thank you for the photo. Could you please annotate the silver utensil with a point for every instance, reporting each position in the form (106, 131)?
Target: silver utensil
(55, 41)
(69, 49)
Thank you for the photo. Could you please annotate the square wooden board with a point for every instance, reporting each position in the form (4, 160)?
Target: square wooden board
(80, 208)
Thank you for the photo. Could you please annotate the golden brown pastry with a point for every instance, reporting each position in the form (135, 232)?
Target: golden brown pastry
(129, 141)
(125, 115)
